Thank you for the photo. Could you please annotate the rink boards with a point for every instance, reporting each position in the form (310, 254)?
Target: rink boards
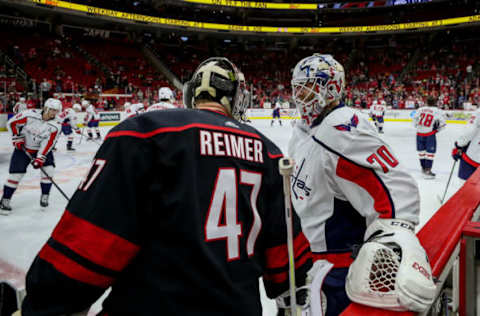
(114, 117)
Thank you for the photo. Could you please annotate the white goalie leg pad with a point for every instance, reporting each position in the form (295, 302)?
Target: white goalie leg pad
(311, 301)
(391, 270)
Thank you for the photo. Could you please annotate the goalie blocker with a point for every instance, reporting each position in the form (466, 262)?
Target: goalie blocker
(391, 270)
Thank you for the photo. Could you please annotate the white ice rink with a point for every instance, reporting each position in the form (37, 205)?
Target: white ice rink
(23, 232)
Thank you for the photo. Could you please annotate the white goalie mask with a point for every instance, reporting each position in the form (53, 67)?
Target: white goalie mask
(318, 80)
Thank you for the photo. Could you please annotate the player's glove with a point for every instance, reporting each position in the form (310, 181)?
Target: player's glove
(18, 142)
(436, 125)
(38, 162)
(456, 153)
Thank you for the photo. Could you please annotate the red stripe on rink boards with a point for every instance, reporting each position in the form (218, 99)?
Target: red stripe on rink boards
(12, 274)
(93, 242)
(440, 235)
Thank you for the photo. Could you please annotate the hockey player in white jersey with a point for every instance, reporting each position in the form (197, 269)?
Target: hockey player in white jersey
(165, 96)
(428, 121)
(377, 113)
(36, 132)
(20, 106)
(70, 123)
(467, 147)
(349, 189)
(92, 119)
(276, 113)
(134, 110)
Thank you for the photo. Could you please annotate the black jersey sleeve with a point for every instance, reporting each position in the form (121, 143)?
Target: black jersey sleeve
(99, 233)
(275, 278)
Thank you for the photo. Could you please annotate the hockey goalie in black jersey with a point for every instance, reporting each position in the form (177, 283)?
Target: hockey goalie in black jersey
(180, 214)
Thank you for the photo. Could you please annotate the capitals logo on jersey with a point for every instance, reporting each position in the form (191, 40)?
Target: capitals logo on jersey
(347, 127)
(300, 184)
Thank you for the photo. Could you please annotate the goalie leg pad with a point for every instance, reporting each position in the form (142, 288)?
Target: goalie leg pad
(392, 269)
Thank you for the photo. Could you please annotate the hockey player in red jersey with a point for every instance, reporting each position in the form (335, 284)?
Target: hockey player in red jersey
(179, 214)
(350, 191)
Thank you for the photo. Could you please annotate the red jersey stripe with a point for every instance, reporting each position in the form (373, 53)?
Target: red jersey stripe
(72, 269)
(368, 180)
(14, 124)
(277, 257)
(283, 276)
(427, 134)
(94, 243)
(179, 129)
(470, 161)
(272, 156)
(49, 143)
(339, 260)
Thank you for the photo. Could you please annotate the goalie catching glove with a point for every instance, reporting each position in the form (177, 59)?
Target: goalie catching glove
(391, 270)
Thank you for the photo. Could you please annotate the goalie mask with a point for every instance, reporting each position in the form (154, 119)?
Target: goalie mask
(318, 80)
(219, 80)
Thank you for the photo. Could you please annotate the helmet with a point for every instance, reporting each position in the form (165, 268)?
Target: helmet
(219, 80)
(22, 99)
(318, 80)
(85, 103)
(126, 105)
(53, 104)
(77, 107)
(165, 93)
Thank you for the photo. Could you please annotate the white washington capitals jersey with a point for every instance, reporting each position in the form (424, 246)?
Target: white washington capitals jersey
(161, 106)
(20, 107)
(69, 117)
(471, 137)
(134, 110)
(345, 177)
(92, 114)
(378, 109)
(425, 118)
(39, 134)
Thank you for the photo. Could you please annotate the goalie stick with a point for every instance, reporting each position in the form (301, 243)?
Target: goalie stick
(285, 166)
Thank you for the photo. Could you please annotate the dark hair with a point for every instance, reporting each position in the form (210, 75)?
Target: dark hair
(431, 101)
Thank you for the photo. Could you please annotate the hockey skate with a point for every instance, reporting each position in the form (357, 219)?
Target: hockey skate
(44, 200)
(70, 148)
(5, 208)
(428, 174)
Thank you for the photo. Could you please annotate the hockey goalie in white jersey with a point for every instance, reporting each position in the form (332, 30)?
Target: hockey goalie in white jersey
(354, 199)
(35, 132)
(165, 96)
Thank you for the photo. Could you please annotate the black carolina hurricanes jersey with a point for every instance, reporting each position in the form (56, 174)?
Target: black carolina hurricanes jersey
(180, 214)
